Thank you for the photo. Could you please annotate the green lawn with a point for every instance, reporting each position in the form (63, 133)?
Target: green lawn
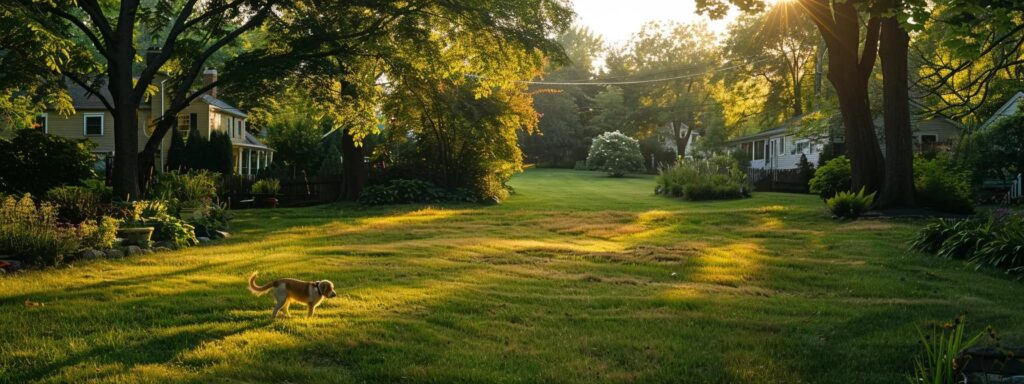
(576, 278)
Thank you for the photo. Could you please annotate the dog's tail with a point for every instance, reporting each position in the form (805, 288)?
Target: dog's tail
(258, 289)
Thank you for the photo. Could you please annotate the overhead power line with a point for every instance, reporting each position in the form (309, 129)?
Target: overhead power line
(607, 83)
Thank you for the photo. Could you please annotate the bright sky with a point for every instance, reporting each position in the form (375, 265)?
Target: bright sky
(616, 20)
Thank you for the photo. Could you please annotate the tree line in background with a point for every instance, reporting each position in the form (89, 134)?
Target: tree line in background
(838, 67)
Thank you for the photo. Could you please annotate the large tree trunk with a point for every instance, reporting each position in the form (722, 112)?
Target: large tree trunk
(353, 167)
(126, 120)
(849, 71)
(898, 189)
(798, 97)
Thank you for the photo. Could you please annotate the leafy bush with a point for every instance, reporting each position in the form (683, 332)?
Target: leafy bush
(719, 177)
(616, 154)
(410, 192)
(331, 165)
(150, 208)
(831, 178)
(173, 229)
(268, 187)
(942, 185)
(850, 205)
(31, 233)
(99, 234)
(217, 218)
(75, 204)
(995, 240)
(185, 186)
(34, 162)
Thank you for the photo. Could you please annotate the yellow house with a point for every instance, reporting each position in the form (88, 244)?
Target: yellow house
(206, 113)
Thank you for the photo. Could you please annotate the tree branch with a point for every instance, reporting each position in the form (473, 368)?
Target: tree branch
(91, 90)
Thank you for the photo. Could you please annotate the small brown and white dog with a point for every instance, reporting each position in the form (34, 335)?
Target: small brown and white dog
(286, 291)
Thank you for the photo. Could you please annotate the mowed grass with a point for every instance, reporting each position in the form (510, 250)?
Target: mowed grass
(576, 278)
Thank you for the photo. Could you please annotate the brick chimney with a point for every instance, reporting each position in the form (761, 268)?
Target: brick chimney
(210, 76)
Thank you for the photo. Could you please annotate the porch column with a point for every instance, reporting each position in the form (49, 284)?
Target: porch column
(258, 160)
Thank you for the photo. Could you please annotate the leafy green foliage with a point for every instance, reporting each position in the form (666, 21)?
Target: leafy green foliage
(177, 156)
(849, 205)
(993, 240)
(331, 165)
(76, 204)
(296, 141)
(831, 178)
(401, 191)
(34, 162)
(174, 186)
(266, 187)
(99, 234)
(941, 184)
(217, 218)
(719, 177)
(615, 154)
(998, 151)
(938, 364)
(219, 158)
(31, 234)
(173, 229)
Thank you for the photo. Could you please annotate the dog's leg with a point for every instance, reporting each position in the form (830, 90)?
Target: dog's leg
(284, 309)
(277, 308)
(312, 310)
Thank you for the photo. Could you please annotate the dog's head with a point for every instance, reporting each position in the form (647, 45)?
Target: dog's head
(326, 288)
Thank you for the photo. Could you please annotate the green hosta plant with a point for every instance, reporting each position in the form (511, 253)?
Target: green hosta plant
(850, 205)
(616, 154)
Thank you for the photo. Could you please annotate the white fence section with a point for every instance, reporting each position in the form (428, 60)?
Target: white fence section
(1015, 190)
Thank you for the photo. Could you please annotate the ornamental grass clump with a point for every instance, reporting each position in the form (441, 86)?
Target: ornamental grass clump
(986, 240)
(717, 178)
(615, 154)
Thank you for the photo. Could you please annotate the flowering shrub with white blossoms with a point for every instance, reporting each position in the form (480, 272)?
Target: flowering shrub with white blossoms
(616, 154)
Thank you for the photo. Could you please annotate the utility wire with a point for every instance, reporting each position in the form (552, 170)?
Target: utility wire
(607, 83)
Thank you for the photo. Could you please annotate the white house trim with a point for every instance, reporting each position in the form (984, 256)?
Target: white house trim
(85, 124)
(46, 121)
(1004, 110)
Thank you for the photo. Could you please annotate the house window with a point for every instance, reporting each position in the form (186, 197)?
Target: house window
(801, 148)
(41, 123)
(186, 123)
(929, 142)
(93, 125)
(782, 145)
(759, 150)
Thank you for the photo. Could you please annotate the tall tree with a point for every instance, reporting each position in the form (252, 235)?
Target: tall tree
(777, 46)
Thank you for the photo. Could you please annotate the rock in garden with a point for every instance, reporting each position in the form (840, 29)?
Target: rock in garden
(90, 254)
(114, 253)
(147, 251)
(161, 249)
(203, 240)
(222, 234)
(133, 250)
(164, 244)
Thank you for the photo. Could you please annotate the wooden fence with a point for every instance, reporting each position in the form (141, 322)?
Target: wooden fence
(778, 180)
(295, 191)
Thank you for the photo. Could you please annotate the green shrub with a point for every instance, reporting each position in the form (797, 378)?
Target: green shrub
(150, 208)
(217, 218)
(173, 229)
(995, 240)
(267, 187)
(942, 185)
(99, 234)
(719, 177)
(850, 205)
(75, 204)
(331, 165)
(31, 234)
(34, 162)
(831, 178)
(411, 192)
(185, 186)
(616, 154)
(930, 238)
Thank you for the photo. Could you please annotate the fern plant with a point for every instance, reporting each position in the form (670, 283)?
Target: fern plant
(850, 205)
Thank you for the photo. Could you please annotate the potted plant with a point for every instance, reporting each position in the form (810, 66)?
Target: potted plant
(133, 230)
(266, 192)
